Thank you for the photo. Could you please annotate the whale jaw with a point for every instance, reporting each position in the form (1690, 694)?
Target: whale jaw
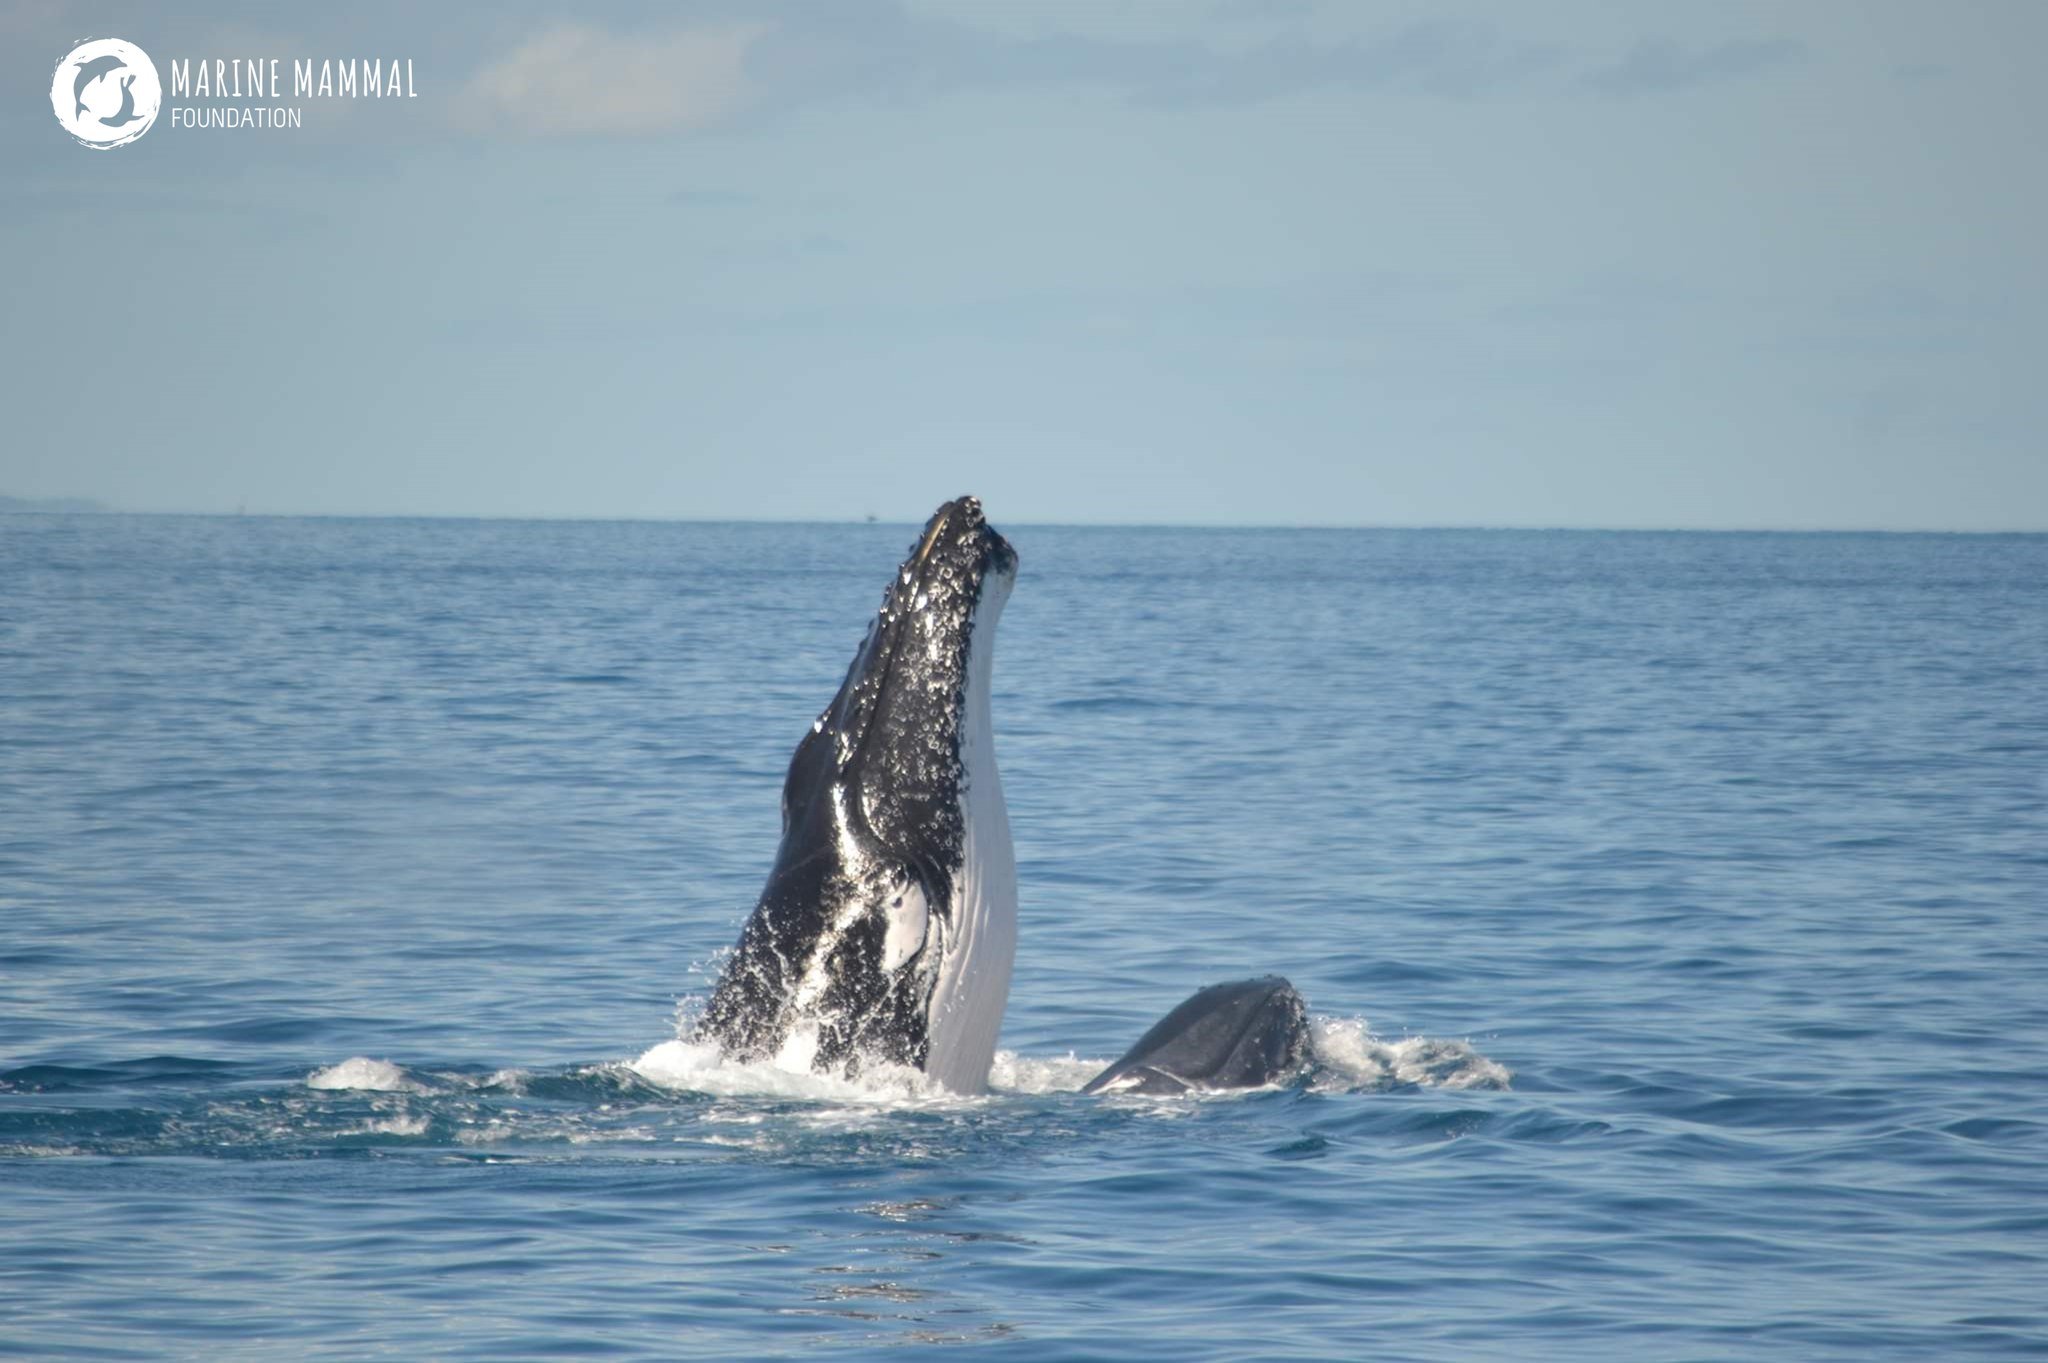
(887, 929)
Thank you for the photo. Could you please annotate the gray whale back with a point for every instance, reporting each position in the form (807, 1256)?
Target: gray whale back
(1245, 1034)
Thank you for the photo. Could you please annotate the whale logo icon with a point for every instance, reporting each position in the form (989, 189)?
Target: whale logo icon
(106, 93)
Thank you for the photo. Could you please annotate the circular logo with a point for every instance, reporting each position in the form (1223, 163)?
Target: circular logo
(106, 92)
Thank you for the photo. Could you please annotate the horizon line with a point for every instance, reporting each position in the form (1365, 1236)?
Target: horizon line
(102, 509)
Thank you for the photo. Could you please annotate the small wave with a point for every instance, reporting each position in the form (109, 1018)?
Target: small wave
(150, 1071)
(508, 1080)
(361, 1072)
(1349, 1056)
(54, 1078)
(401, 1124)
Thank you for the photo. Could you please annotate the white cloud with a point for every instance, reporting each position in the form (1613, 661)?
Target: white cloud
(574, 80)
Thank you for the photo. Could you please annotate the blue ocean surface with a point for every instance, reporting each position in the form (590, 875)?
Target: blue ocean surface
(1673, 907)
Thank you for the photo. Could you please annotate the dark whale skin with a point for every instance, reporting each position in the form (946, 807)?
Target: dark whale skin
(1245, 1034)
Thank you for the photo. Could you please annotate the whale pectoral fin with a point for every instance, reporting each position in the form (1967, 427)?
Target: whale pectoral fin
(1246, 1034)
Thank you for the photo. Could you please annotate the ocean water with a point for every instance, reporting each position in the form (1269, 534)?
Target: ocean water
(1674, 908)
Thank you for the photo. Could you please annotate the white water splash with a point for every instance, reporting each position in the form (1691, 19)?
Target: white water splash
(511, 1080)
(1349, 1056)
(361, 1072)
(696, 1067)
(401, 1124)
(1026, 1074)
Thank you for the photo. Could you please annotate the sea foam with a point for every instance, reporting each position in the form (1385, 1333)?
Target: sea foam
(361, 1072)
(1349, 1056)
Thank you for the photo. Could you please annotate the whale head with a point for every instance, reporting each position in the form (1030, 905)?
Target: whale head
(887, 928)
(1245, 1034)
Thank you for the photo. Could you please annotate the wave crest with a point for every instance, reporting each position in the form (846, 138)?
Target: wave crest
(361, 1072)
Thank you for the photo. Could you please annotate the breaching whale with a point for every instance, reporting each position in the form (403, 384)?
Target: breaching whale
(888, 926)
(1246, 1034)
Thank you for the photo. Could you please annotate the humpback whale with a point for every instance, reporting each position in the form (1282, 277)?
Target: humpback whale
(888, 925)
(1246, 1034)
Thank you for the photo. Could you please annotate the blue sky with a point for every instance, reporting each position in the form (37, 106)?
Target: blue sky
(1226, 261)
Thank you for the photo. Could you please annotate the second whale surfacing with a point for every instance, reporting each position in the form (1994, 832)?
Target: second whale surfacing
(1241, 1035)
(888, 926)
